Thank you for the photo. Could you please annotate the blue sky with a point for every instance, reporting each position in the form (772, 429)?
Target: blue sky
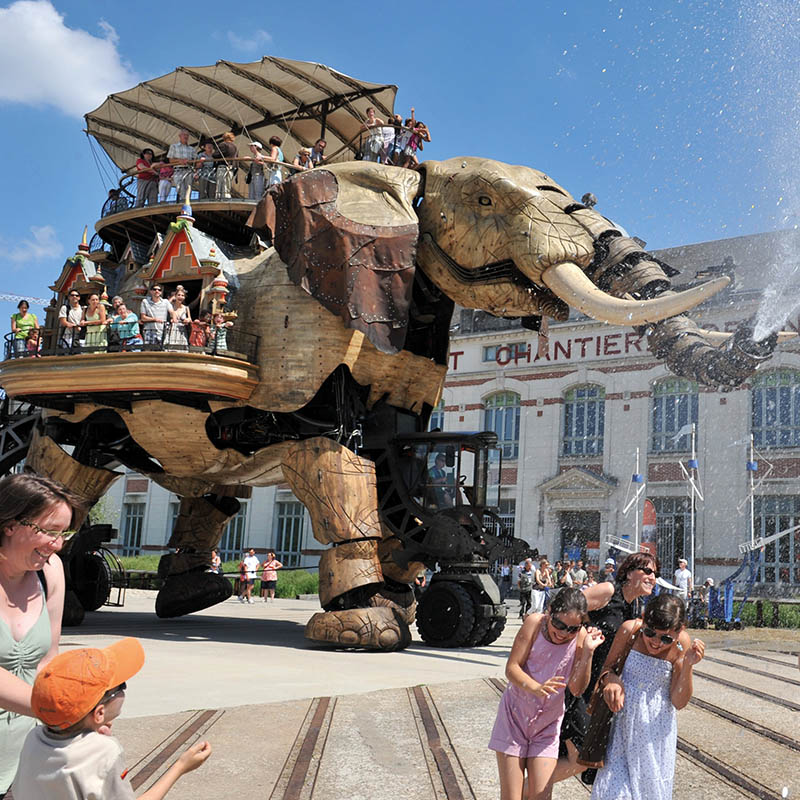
(682, 117)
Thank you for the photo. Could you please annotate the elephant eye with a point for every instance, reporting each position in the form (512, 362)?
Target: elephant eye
(484, 200)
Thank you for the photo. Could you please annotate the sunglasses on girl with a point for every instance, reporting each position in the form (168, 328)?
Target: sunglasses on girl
(562, 626)
(651, 634)
(648, 571)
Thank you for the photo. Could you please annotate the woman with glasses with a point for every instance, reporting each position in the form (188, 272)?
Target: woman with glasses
(656, 681)
(36, 516)
(610, 604)
(550, 652)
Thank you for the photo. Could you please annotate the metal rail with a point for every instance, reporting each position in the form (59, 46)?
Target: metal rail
(761, 672)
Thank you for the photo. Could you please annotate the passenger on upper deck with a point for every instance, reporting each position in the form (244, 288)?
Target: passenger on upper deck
(255, 173)
(275, 155)
(69, 320)
(225, 170)
(165, 175)
(394, 147)
(318, 152)
(303, 159)
(207, 172)
(373, 146)
(154, 312)
(113, 204)
(146, 178)
(180, 155)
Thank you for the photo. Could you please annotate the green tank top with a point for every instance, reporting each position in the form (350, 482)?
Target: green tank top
(21, 659)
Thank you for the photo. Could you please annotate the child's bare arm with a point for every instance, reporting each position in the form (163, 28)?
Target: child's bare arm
(681, 688)
(190, 760)
(588, 642)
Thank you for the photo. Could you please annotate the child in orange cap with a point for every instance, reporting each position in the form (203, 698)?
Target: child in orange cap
(73, 756)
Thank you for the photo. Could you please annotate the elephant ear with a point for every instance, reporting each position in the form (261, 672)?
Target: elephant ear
(348, 236)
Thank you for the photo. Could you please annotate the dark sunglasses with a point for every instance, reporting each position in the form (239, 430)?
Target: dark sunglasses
(107, 698)
(651, 634)
(562, 626)
(648, 571)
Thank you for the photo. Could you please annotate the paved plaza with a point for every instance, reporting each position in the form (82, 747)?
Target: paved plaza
(291, 720)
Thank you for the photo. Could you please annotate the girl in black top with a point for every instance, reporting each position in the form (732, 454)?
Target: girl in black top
(610, 604)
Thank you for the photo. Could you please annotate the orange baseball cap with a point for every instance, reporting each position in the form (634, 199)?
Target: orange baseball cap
(73, 683)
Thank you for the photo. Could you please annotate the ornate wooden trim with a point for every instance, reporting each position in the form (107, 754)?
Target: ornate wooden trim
(72, 376)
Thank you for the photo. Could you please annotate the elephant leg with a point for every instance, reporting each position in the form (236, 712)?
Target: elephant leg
(338, 489)
(47, 459)
(189, 585)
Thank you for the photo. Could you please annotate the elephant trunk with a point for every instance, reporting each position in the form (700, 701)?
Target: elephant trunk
(688, 353)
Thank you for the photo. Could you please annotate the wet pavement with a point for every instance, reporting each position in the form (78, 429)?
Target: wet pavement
(290, 720)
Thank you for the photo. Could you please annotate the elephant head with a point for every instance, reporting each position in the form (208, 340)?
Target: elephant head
(505, 239)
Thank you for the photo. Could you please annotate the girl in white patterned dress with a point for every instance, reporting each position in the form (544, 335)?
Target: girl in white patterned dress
(655, 682)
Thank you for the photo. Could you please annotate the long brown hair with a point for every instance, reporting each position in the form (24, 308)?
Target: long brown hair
(26, 495)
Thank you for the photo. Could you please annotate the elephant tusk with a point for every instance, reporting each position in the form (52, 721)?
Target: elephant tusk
(717, 338)
(570, 283)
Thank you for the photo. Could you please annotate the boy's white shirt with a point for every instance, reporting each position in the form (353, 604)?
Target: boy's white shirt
(88, 766)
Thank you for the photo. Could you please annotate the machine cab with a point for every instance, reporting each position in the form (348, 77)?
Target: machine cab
(448, 472)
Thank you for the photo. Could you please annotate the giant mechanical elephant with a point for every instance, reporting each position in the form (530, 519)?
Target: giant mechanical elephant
(353, 308)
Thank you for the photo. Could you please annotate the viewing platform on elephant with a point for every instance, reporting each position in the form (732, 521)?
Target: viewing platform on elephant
(133, 214)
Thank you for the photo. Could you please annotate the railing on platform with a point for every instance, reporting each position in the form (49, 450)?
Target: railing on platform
(203, 183)
(235, 343)
(388, 144)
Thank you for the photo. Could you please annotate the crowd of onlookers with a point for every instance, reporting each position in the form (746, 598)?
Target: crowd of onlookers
(211, 167)
(162, 323)
(395, 142)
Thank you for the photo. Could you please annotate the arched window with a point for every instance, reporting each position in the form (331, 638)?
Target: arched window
(776, 408)
(437, 417)
(501, 415)
(584, 420)
(674, 411)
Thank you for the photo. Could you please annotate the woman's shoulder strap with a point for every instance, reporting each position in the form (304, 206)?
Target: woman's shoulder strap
(43, 581)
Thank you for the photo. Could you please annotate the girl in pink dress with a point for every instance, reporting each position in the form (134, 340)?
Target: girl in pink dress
(551, 651)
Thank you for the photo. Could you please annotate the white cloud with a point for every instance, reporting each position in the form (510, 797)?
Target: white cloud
(55, 65)
(251, 43)
(42, 244)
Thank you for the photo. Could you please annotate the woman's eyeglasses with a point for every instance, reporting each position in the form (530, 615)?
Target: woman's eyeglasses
(648, 571)
(65, 535)
(562, 626)
(651, 634)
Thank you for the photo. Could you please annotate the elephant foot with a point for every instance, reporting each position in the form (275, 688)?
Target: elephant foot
(191, 591)
(399, 598)
(378, 628)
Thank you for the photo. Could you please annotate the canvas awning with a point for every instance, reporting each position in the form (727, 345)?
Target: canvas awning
(295, 100)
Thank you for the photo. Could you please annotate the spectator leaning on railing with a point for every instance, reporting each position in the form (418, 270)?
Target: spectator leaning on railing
(69, 320)
(207, 172)
(181, 155)
(303, 159)
(146, 178)
(318, 152)
(255, 172)
(275, 156)
(373, 146)
(225, 170)
(125, 327)
(22, 323)
(154, 312)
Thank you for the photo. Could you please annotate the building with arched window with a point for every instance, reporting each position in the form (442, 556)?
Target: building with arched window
(501, 415)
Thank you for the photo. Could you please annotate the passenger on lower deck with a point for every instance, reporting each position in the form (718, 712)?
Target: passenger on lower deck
(126, 328)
